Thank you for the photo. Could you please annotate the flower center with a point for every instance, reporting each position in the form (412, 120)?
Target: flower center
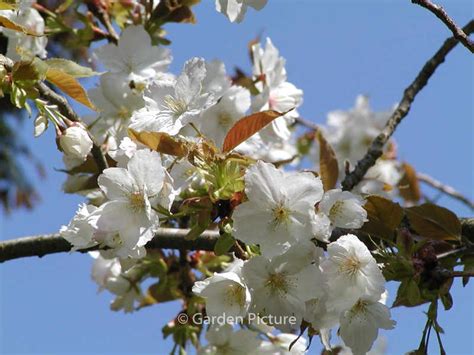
(123, 113)
(277, 283)
(336, 209)
(235, 294)
(350, 266)
(359, 307)
(281, 214)
(177, 106)
(137, 201)
(224, 119)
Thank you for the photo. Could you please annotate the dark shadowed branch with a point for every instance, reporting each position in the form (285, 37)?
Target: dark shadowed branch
(165, 238)
(440, 13)
(375, 150)
(41, 245)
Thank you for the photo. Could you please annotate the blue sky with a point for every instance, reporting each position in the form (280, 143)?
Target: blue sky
(335, 50)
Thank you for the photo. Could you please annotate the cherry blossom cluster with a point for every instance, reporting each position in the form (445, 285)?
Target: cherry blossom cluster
(293, 276)
(285, 214)
(350, 134)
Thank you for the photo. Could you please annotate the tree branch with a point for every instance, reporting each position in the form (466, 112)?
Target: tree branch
(165, 238)
(375, 150)
(440, 13)
(54, 98)
(41, 245)
(306, 123)
(446, 189)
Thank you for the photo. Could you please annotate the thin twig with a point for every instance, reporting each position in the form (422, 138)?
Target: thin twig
(306, 123)
(446, 189)
(461, 273)
(101, 13)
(52, 97)
(375, 150)
(440, 13)
(67, 111)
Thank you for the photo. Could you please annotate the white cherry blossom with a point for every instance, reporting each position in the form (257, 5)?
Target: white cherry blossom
(127, 294)
(280, 345)
(216, 81)
(319, 314)
(79, 232)
(279, 209)
(381, 179)
(134, 56)
(219, 119)
(275, 92)
(116, 103)
(361, 323)
(224, 341)
(124, 152)
(225, 294)
(30, 19)
(350, 133)
(344, 209)
(235, 10)
(351, 272)
(169, 107)
(128, 210)
(281, 286)
(103, 269)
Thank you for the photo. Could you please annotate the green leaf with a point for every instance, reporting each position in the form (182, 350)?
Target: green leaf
(397, 268)
(447, 300)
(408, 294)
(468, 261)
(434, 222)
(224, 244)
(25, 72)
(70, 67)
(197, 229)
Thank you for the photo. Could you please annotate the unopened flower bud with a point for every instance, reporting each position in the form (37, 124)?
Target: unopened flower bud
(75, 142)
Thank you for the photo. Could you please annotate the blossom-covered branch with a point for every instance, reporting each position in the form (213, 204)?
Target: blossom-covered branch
(195, 181)
(165, 238)
(41, 245)
(440, 13)
(375, 150)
